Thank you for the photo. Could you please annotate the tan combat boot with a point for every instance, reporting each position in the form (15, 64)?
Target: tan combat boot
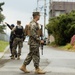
(18, 58)
(23, 68)
(39, 71)
(13, 57)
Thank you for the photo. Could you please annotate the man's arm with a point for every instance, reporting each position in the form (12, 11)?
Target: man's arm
(13, 29)
(24, 35)
(8, 25)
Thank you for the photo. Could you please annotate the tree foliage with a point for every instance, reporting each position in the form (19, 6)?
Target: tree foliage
(62, 28)
(1, 4)
(2, 28)
(2, 17)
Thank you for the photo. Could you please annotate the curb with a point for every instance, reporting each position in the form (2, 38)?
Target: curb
(4, 51)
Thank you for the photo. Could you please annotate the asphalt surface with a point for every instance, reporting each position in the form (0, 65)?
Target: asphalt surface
(54, 62)
(11, 67)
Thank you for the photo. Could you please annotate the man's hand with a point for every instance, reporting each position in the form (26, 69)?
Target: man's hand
(42, 42)
(6, 23)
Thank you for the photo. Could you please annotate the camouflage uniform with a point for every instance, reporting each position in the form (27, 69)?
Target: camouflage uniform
(18, 41)
(34, 42)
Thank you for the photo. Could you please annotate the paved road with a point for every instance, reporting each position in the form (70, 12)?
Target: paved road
(55, 62)
(61, 62)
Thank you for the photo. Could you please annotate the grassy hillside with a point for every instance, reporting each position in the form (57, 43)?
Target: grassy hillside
(3, 45)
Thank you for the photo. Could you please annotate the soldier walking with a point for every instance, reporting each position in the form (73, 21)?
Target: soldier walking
(18, 41)
(34, 43)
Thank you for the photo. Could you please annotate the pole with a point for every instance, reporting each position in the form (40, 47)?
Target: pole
(37, 5)
(50, 1)
(44, 15)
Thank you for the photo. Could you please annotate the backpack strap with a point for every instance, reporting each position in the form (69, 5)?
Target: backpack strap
(27, 30)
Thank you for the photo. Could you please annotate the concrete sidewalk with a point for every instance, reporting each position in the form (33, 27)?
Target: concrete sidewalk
(2, 53)
(12, 66)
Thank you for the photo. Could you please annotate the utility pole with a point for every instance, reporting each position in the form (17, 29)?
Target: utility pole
(37, 9)
(44, 15)
(50, 2)
(37, 5)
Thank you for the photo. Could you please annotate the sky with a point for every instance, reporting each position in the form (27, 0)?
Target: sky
(22, 10)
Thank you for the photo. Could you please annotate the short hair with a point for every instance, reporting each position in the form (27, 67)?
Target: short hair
(36, 14)
(12, 25)
(19, 22)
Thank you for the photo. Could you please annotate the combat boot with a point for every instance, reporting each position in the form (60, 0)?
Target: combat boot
(18, 58)
(12, 57)
(39, 71)
(23, 68)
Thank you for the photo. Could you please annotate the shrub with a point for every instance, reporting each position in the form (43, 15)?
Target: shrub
(68, 46)
(62, 28)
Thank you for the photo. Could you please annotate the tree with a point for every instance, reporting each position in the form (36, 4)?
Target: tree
(2, 17)
(2, 28)
(1, 4)
(62, 28)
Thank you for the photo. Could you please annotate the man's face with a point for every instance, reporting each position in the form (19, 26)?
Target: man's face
(12, 27)
(38, 17)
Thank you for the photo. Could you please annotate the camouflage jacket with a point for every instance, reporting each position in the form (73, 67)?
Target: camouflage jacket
(34, 39)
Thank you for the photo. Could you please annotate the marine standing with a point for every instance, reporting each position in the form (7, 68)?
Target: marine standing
(18, 41)
(12, 37)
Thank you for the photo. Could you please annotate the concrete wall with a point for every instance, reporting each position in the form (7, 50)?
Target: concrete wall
(64, 7)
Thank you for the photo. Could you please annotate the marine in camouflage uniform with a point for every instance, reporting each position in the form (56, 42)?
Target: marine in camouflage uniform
(34, 43)
(12, 37)
(18, 41)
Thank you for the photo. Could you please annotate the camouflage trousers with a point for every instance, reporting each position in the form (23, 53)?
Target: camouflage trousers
(17, 42)
(33, 55)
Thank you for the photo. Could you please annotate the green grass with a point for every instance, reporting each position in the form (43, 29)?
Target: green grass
(67, 47)
(52, 44)
(3, 45)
